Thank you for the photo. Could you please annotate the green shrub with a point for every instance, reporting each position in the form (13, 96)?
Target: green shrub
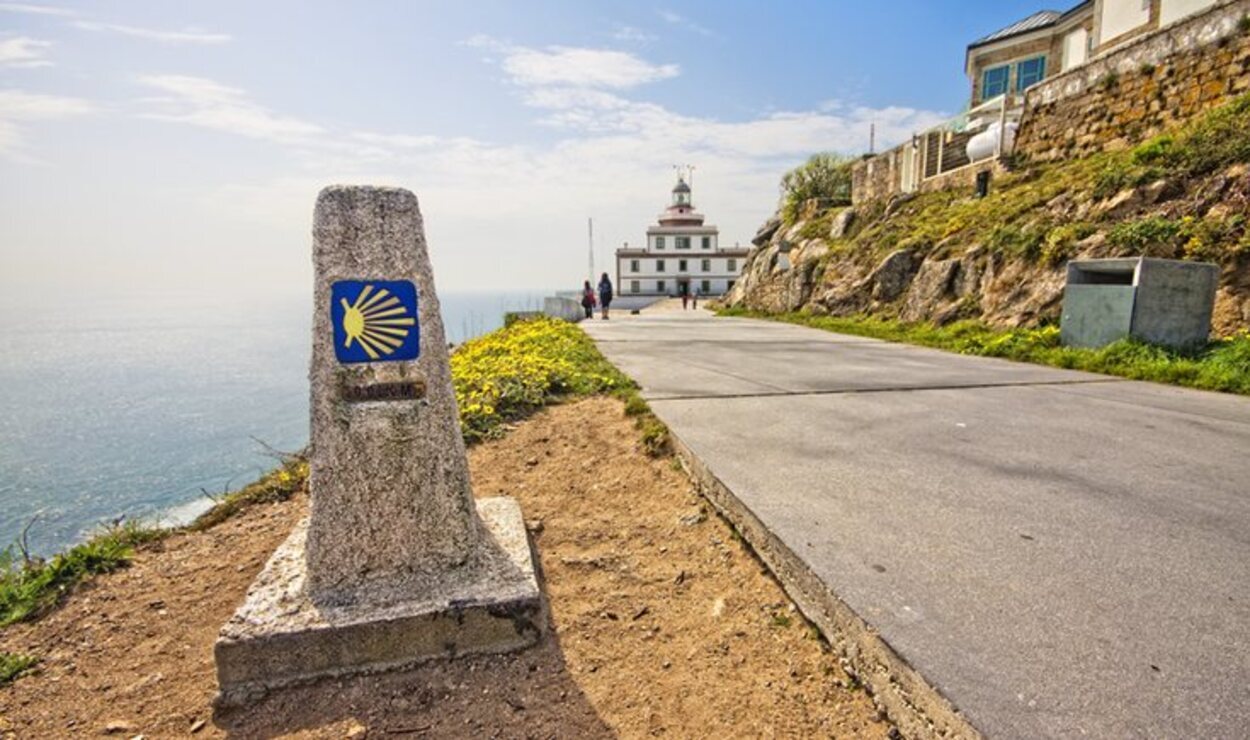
(1015, 241)
(824, 177)
(636, 406)
(13, 665)
(1058, 244)
(277, 485)
(1219, 139)
(28, 587)
(1211, 239)
(1159, 150)
(1145, 234)
(654, 435)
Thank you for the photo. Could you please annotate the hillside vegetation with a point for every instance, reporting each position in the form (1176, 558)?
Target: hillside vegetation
(946, 256)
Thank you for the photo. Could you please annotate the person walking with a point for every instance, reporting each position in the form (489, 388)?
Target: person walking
(605, 294)
(685, 296)
(694, 298)
(588, 299)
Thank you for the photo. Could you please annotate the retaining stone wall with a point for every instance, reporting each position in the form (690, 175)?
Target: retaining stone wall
(1133, 93)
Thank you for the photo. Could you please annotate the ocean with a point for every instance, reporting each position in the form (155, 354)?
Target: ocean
(142, 408)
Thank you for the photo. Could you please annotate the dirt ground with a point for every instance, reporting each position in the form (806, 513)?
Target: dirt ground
(662, 623)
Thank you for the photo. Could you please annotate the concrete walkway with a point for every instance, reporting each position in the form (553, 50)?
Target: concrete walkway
(1058, 554)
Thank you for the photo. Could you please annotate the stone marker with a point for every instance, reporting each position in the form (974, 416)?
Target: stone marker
(396, 563)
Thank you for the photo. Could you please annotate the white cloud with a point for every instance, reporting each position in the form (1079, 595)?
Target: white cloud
(24, 52)
(202, 102)
(612, 161)
(31, 9)
(575, 66)
(18, 107)
(186, 36)
(630, 34)
(675, 19)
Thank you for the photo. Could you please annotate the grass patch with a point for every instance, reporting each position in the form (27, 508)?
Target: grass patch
(13, 665)
(1222, 365)
(31, 586)
(509, 373)
(277, 485)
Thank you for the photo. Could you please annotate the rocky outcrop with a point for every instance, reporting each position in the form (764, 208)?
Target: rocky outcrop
(841, 223)
(932, 294)
(828, 262)
(891, 277)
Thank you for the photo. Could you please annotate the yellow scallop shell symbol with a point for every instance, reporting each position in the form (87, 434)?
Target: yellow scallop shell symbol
(377, 321)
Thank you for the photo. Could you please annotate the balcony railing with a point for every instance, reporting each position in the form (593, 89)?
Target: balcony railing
(944, 148)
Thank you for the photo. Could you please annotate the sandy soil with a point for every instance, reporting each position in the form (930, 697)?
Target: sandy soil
(661, 624)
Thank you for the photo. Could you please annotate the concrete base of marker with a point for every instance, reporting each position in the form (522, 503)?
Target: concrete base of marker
(279, 637)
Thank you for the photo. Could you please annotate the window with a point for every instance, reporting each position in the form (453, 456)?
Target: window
(659, 286)
(681, 266)
(994, 82)
(707, 265)
(705, 287)
(729, 286)
(635, 286)
(634, 266)
(683, 242)
(659, 265)
(659, 242)
(707, 242)
(1030, 72)
(733, 265)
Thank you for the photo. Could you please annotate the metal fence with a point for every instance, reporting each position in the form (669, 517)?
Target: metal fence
(943, 149)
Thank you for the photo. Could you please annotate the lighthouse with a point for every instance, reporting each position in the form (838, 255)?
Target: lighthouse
(682, 254)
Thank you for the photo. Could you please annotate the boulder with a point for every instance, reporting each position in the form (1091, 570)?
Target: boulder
(1160, 191)
(795, 232)
(971, 271)
(844, 299)
(894, 273)
(841, 223)
(766, 231)
(799, 286)
(812, 249)
(896, 202)
(1122, 203)
(933, 286)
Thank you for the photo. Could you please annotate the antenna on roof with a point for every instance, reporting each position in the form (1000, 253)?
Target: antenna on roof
(685, 172)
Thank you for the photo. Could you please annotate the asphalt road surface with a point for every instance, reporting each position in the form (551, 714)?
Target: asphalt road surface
(1060, 554)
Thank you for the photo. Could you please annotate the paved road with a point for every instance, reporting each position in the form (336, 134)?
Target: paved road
(1060, 554)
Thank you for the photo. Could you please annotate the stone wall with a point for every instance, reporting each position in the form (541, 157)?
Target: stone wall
(1140, 89)
(877, 177)
(882, 176)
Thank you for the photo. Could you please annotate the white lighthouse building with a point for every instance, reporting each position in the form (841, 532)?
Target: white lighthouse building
(682, 254)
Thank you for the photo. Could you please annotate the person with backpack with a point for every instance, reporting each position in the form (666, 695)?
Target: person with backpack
(588, 299)
(605, 294)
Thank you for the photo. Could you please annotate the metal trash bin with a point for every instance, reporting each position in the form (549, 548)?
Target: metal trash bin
(1167, 302)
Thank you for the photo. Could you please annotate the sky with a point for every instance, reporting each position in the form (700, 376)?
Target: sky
(158, 147)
